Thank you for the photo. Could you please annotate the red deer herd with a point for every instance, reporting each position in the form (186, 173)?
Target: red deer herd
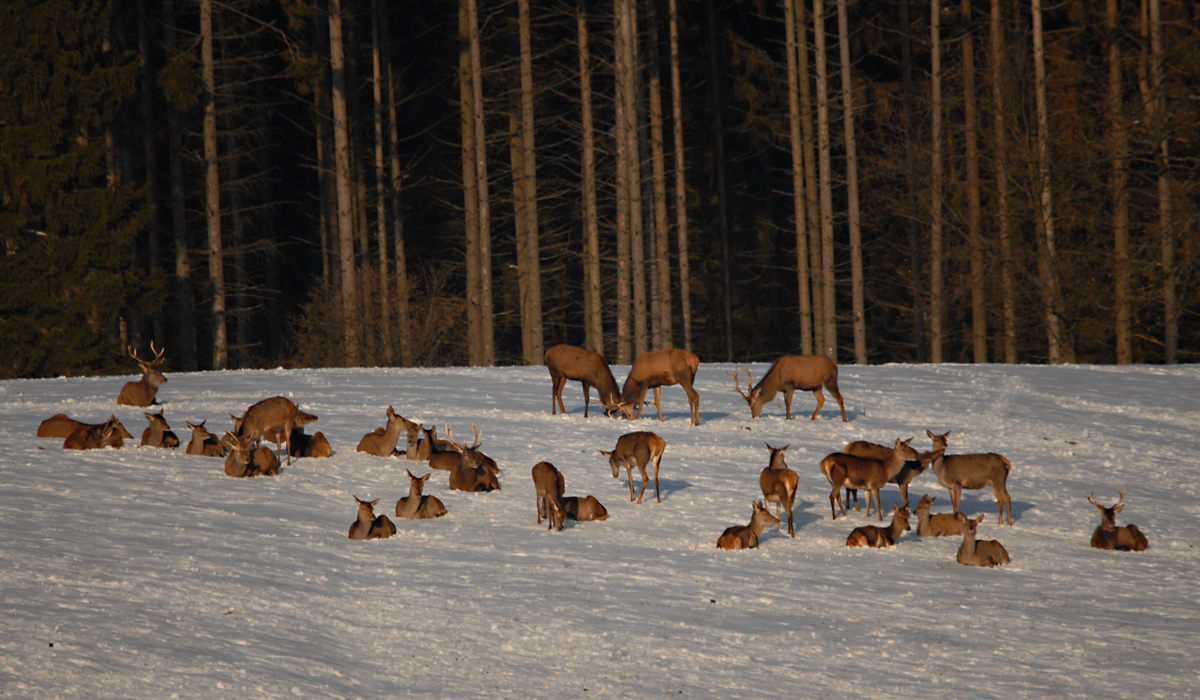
(859, 465)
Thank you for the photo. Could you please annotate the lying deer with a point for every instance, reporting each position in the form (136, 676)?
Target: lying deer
(243, 459)
(60, 426)
(873, 450)
(659, 368)
(144, 391)
(272, 419)
(747, 536)
(864, 473)
(416, 506)
(637, 449)
(204, 443)
(971, 471)
(590, 369)
(94, 437)
(935, 524)
(382, 442)
(874, 536)
(974, 552)
(301, 444)
(584, 509)
(778, 484)
(473, 470)
(158, 433)
(1124, 538)
(369, 527)
(548, 486)
(791, 372)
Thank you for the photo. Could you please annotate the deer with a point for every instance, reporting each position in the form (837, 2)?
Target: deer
(94, 437)
(243, 459)
(910, 470)
(791, 372)
(548, 486)
(158, 433)
(874, 536)
(778, 484)
(416, 506)
(584, 509)
(590, 369)
(974, 552)
(659, 368)
(382, 442)
(1123, 538)
(301, 444)
(60, 426)
(204, 443)
(637, 449)
(368, 526)
(971, 471)
(864, 473)
(935, 524)
(473, 471)
(747, 536)
(273, 419)
(144, 391)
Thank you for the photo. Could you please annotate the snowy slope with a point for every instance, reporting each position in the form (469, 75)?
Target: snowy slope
(147, 573)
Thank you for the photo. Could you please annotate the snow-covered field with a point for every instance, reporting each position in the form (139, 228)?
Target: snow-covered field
(147, 573)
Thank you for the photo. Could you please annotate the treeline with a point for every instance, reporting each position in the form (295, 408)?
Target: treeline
(346, 182)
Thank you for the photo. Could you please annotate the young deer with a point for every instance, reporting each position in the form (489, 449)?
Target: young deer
(637, 449)
(272, 419)
(791, 372)
(584, 509)
(548, 486)
(659, 368)
(301, 444)
(935, 524)
(94, 437)
(974, 552)
(144, 391)
(746, 536)
(1124, 538)
(158, 433)
(472, 470)
(873, 450)
(60, 426)
(243, 459)
(369, 527)
(416, 506)
(590, 369)
(204, 443)
(874, 536)
(971, 471)
(864, 473)
(778, 484)
(382, 442)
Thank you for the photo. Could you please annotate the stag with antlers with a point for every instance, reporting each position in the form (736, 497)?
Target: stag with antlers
(144, 391)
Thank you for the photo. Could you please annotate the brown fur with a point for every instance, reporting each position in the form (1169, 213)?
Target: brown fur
(659, 368)
(588, 368)
(747, 536)
(791, 372)
(637, 449)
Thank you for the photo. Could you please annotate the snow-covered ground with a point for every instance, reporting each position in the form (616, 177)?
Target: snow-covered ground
(147, 573)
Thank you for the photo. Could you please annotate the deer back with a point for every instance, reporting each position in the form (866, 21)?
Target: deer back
(267, 418)
(583, 365)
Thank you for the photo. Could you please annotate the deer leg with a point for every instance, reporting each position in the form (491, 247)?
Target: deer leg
(836, 496)
(787, 403)
(657, 406)
(587, 398)
(1002, 498)
(955, 496)
(820, 401)
(629, 475)
(841, 405)
(657, 496)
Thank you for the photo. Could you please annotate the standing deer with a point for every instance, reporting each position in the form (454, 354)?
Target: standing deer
(659, 368)
(873, 450)
(974, 552)
(590, 369)
(875, 536)
(637, 449)
(864, 473)
(791, 372)
(935, 524)
(243, 459)
(204, 443)
(94, 437)
(142, 393)
(746, 536)
(369, 527)
(272, 419)
(548, 486)
(971, 471)
(1124, 538)
(382, 442)
(473, 470)
(416, 506)
(60, 426)
(778, 484)
(158, 433)
(584, 509)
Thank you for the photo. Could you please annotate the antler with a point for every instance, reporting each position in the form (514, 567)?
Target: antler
(158, 356)
(737, 382)
(450, 436)
(1121, 493)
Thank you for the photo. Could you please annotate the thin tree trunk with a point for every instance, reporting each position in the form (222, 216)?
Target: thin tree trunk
(212, 184)
(531, 295)
(345, 211)
(1118, 144)
(685, 282)
(400, 261)
(936, 302)
(593, 314)
(719, 166)
(623, 77)
(637, 242)
(327, 216)
(487, 320)
(1003, 213)
(1056, 346)
(828, 306)
(662, 248)
(974, 207)
(910, 142)
(150, 159)
(798, 214)
(1163, 159)
(186, 349)
(812, 208)
(381, 229)
(856, 269)
(466, 94)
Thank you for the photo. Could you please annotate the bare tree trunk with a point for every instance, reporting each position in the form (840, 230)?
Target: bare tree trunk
(910, 143)
(623, 78)
(856, 269)
(974, 207)
(403, 312)
(1056, 345)
(487, 320)
(470, 188)
(1003, 213)
(1118, 145)
(183, 268)
(798, 213)
(637, 242)
(662, 249)
(592, 311)
(685, 282)
(936, 300)
(345, 211)
(381, 229)
(812, 208)
(719, 166)
(1166, 226)
(212, 186)
(828, 306)
(150, 159)
(531, 292)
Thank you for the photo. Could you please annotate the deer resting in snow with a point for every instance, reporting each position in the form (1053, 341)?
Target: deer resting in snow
(158, 433)
(301, 444)
(416, 506)
(144, 391)
(243, 459)
(971, 471)
(974, 552)
(874, 536)
(368, 526)
(935, 524)
(204, 443)
(548, 486)
(659, 368)
(746, 536)
(382, 442)
(778, 484)
(637, 449)
(1124, 538)
(584, 509)
(94, 437)
(588, 368)
(791, 372)
(60, 426)
(472, 470)
(864, 473)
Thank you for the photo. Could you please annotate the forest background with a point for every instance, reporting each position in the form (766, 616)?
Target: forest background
(449, 182)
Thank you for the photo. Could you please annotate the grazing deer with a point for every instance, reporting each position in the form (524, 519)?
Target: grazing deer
(746, 536)
(637, 449)
(142, 393)
(974, 552)
(473, 470)
(1124, 538)
(244, 460)
(935, 524)
(204, 443)
(864, 473)
(875, 536)
(94, 437)
(873, 450)
(584, 509)
(778, 484)
(60, 426)
(971, 471)
(382, 442)
(590, 369)
(272, 419)
(416, 506)
(659, 368)
(158, 433)
(369, 527)
(301, 444)
(548, 486)
(791, 372)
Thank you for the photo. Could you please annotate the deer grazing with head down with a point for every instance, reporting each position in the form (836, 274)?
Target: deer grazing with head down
(971, 471)
(864, 473)
(158, 433)
(244, 460)
(778, 484)
(416, 506)
(747, 536)
(60, 426)
(935, 524)
(204, 443)
(271, 419)
(974, 552)
(94, 437)
(590, 369)
(791, 372)
(143, 392)
(548, 486)
(659, 368)
(637, 449)
(368, 526)
(875, 536)
(472, 470)
(382, 442)
(1123, 538)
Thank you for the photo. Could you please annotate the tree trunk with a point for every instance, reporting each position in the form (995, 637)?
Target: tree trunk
(381, 229)
(828, 306)
(212, 185)
(150, 159)
(798, 214)
(637, 242)
(400, 261)
(466, 94)
(486, 318)
(1118, 150)
(812, 208)
(936, 302)
(1056, 345)
(531, 292)
(685, 281)
(1003, 214)
(186, 314)
(592, 311)
(623, 79)
(1159, 124)
(910, 143)
(343, 175)
(719, 166)
(974, 207)
(856, 269)
(662, 249)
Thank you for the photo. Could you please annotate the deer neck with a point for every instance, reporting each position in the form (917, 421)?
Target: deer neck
(896, 531)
